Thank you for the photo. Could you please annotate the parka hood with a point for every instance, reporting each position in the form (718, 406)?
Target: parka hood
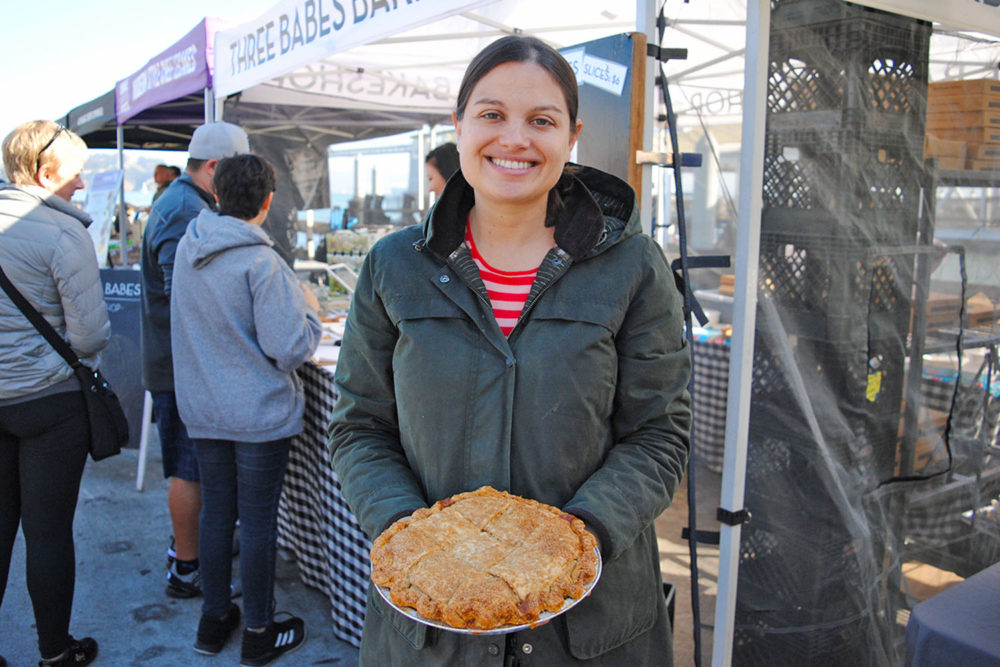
(598, 211)
(211, 234)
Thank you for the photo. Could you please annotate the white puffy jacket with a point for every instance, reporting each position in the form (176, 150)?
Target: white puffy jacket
(48, 255)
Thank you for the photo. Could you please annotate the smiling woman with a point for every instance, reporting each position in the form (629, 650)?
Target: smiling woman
(527, 337)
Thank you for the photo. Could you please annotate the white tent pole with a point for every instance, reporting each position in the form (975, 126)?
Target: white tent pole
(744, 321)
(122, 218)
(213, 108)
(645, 22)
(422, 151)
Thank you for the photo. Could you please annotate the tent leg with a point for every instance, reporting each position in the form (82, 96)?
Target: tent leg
(147, 419)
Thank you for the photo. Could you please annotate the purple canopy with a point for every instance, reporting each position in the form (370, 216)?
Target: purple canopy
(182, 69)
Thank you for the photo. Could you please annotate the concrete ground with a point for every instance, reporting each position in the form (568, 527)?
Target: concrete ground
(121, 541)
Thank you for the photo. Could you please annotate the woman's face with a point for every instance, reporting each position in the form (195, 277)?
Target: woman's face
(435, 181)
(515, 135)
(65, 180)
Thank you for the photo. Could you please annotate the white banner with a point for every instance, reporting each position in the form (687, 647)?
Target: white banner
(977, 15)
(297, 33)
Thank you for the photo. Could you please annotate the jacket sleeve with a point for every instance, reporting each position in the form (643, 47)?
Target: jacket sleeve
(78, 282)
(375, 477)
(167, 235)
(652, 416)
(288, 331)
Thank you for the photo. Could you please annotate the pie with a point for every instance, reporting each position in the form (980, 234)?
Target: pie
(485, 559)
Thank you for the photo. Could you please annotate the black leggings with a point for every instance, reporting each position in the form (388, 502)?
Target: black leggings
(43, 448)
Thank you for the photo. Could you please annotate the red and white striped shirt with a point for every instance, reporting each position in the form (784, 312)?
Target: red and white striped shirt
(508, 290)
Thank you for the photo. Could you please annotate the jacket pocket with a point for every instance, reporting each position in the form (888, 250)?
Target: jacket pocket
(623, 604)
(414, 633)
(422, 307)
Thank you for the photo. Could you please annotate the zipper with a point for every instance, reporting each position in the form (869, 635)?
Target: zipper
(561, 261)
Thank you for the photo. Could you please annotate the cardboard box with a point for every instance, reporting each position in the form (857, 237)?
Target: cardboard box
(988, 152)
(963, 119)
(727, 284)
(947, 153)
(968, 135)
(984, 165)
(953, 103)
(964, 87)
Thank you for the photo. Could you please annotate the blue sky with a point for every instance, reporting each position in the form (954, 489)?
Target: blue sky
(62, 53)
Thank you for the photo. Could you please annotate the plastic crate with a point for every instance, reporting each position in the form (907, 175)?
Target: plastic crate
(869, 70)
(839, 287)
(797, 13)
(763, 638)
(873, 176)
(854, 397)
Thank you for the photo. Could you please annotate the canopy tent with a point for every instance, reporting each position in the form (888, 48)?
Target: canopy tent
(411, 77)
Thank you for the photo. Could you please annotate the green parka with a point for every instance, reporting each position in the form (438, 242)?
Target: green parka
(584, 406)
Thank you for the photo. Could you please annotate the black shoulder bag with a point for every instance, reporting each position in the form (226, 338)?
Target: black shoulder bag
(108, 426)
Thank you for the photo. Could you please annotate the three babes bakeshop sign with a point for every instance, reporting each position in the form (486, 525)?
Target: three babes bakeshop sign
(298, 33)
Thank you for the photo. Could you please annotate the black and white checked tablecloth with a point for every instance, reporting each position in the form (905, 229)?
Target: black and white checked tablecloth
(708, 403)
(314, 521)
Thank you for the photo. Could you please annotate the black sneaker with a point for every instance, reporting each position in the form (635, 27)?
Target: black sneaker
(80, 652)
(182, 585)
(213, 633)
(260, 648)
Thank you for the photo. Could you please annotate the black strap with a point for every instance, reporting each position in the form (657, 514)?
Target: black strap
(44, 328)
(731, 518)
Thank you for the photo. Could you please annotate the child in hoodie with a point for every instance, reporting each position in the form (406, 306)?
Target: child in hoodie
(241, 323)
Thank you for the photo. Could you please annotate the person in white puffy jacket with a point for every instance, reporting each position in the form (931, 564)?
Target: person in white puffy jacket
(48, 256)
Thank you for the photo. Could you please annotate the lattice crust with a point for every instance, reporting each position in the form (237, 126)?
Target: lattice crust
(484, 559)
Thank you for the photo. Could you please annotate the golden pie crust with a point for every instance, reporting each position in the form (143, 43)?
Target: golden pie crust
(485, 559)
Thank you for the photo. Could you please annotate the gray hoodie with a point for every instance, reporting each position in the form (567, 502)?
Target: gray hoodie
(240, 327)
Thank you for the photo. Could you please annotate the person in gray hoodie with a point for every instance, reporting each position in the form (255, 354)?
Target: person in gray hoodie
(241, 323)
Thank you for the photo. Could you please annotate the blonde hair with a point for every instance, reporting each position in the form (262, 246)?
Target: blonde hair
(25, 151)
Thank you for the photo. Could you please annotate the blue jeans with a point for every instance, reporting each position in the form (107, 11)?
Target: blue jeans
(240, 479)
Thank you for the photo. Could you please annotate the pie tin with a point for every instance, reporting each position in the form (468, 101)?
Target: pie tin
(543, 618)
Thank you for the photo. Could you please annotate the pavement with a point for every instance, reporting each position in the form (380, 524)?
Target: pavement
(121, 541)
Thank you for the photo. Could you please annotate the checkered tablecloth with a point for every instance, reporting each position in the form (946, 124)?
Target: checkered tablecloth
(314, 521)
(708, 404)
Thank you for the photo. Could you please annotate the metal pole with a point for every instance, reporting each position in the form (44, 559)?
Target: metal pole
(645, 22)
(422, 150)
(744, 321)
(122, 216)
(213, 108)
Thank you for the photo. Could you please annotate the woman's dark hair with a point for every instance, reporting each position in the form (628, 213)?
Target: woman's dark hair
(520, 49)
(242, 183)
(444, 158)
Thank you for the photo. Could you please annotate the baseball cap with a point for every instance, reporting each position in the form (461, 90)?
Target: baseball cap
(215, 141)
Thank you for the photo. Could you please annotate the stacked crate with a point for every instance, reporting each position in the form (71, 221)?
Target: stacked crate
(843, 171)
(963, 117)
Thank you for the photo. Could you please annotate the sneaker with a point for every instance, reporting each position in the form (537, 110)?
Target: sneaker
(280, 637)
(182, 585)
(213, 633)
(80, 652)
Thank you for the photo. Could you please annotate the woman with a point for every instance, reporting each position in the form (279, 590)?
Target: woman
(240, 324)
(441, 163)
(528, 337)
(48, 255)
